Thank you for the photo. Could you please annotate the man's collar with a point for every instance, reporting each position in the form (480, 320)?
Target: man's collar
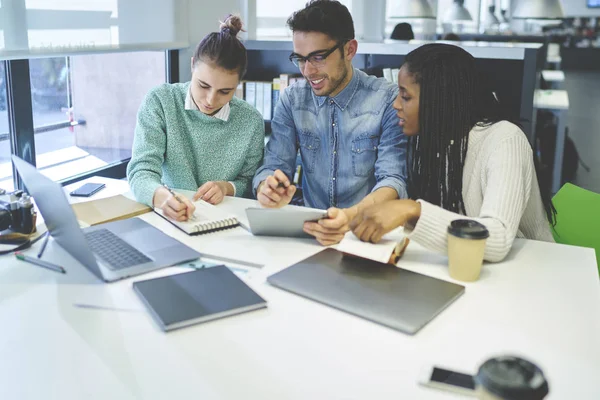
(343, 98)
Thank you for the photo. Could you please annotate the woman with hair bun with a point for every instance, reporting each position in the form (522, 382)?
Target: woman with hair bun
(196, 135)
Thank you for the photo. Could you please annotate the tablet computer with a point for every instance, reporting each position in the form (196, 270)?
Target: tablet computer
(281, 222)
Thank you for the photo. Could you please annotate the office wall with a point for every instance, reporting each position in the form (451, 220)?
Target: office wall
(202, 17)
(578, 8)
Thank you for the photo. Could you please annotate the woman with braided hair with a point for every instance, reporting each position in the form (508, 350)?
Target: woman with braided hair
(465, 159)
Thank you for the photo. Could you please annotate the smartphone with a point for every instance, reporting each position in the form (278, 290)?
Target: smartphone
(88, 189)
(444, 379)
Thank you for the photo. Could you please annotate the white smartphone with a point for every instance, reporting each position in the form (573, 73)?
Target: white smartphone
(445, 379)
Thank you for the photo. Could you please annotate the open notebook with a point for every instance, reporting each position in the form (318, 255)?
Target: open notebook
(207, 218)
(387, 251)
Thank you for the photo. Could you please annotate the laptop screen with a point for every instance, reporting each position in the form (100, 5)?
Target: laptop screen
(58, 215)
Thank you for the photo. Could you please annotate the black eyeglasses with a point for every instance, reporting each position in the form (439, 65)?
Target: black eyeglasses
(316, 59)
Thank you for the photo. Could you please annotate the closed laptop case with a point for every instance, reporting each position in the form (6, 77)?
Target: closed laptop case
(382, 293)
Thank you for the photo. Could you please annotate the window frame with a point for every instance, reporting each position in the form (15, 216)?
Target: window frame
(21, 134)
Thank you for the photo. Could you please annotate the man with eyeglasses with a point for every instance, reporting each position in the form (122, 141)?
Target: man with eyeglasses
(351, 145)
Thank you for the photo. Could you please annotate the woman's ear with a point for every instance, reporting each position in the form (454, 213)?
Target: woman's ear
(192, 64)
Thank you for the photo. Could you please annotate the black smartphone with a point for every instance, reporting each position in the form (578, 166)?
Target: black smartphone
(88, 189)
(445, 379)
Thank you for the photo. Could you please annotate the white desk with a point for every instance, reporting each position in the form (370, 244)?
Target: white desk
(556, 101)
(553, 78)
(554, 61)
(543, 303)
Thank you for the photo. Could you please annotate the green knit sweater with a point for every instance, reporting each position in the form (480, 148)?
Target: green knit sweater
(185, 148)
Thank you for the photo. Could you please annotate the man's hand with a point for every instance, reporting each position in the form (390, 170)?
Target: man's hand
(330, 230)
(175, 207)
(275, 191)
(214, 192)
(374, 221)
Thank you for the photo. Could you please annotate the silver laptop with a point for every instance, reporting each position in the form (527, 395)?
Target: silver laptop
(111, 251)
(282, 222)
(382, 293)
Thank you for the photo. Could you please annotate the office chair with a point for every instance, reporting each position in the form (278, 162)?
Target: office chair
(577, 218)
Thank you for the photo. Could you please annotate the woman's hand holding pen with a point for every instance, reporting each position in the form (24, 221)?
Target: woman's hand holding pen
(371, 223)
(173, 205)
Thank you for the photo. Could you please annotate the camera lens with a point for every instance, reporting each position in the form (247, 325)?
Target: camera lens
(5, 219)
(26, 214)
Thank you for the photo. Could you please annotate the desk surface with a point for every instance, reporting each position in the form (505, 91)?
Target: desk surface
(542, 303)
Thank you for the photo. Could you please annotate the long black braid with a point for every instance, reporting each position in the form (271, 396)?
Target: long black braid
(454, 98)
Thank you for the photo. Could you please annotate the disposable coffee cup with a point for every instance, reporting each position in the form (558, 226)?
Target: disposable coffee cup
(510, 378)
(466, 246)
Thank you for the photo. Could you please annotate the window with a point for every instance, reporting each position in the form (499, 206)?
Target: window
(6, 180)
(85, 107)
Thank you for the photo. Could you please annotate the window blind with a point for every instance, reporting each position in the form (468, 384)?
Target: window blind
(43, 28)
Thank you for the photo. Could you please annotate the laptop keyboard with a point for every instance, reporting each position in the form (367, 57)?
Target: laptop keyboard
(113, 250)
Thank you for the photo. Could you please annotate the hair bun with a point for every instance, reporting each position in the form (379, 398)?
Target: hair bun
(232, 25)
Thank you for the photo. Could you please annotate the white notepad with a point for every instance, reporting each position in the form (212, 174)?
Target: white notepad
(207, 218)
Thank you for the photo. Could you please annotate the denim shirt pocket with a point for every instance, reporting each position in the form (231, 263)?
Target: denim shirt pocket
(309, 146)
(364, 154)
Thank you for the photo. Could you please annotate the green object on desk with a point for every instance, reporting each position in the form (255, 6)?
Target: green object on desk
(577, 218)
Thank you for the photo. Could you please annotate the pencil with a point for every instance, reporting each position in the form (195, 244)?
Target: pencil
(40, 263)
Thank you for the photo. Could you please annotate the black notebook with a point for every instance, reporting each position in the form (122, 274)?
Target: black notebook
(202, 295)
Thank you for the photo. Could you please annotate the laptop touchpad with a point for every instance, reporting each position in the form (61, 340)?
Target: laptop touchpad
(148, 239)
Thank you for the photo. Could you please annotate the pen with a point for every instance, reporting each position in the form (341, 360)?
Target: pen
(47, 236)
(40, 263)
(96, 307)
(173, 194)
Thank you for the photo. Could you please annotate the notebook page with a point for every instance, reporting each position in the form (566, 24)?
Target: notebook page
(205, 213)
(378, 252)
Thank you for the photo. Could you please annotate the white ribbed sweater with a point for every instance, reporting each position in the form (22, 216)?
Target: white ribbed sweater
(500, 190)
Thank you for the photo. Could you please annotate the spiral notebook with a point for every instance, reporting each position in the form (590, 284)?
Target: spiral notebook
(207, 218)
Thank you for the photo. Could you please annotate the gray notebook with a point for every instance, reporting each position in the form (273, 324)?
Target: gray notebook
(202, 295)
(382, 293)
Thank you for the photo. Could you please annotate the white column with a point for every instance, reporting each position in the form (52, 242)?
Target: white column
(14, 23)
(369, 20)
(202, 18)
(248, 14)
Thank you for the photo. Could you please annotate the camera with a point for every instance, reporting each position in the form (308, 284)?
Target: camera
(17, 212)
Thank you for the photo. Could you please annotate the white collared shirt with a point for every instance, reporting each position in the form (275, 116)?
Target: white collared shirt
(222, 114)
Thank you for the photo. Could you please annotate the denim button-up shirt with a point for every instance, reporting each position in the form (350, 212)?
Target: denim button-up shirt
(350, 144)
